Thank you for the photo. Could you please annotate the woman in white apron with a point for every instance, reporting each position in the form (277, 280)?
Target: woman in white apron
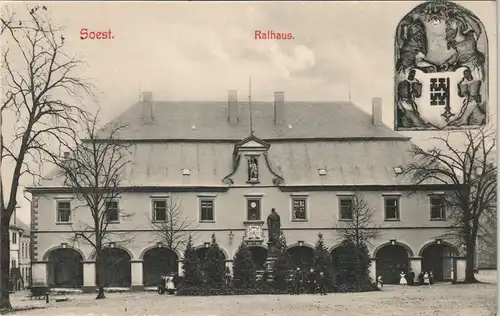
(426, 278)
(402, 279)
(170, 284)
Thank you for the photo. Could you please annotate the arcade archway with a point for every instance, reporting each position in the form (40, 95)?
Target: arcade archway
(438, 259)
(301, 256)
(116, 267)
(259, 257)
(65, 268)
(158, 262)
(391, 261)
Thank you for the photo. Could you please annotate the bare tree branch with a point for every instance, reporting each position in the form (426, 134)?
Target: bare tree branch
(173, 228)
(359, 227)
(95, 170)
(40, 94)
(471, 172)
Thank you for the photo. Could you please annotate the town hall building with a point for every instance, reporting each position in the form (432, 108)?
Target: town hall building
(226, 165)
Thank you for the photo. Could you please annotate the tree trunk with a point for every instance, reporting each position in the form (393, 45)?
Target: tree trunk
(98, 276)
(469, 262)
(4, 262)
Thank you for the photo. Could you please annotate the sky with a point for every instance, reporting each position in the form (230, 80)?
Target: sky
(199, 51)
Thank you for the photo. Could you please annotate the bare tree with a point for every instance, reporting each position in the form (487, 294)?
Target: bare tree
(471, 172)
(171, 226)
(95, 170)
(359, 223)
(39, 90)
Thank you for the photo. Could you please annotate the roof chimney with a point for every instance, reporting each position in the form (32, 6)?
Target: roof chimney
(233, 107)
(147, 106)
(279, 107)
(377, 112)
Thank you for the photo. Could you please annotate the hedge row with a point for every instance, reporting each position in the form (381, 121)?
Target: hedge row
(210, 291)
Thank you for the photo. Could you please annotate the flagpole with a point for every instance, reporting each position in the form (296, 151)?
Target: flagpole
(250, 103)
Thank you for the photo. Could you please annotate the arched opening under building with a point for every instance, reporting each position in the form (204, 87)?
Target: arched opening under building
(335, 260)
(391, 261)
(438, 259)
(259, 257)
(65, 268)
(301, 256)
(158, 262)
(116, 267)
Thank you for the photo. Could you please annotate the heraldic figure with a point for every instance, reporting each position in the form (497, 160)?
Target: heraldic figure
(441, 68)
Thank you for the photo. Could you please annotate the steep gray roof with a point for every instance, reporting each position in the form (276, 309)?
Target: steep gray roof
(347, 162)
(209, 120)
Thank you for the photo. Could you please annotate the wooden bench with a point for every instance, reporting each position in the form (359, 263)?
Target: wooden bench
(39, 292)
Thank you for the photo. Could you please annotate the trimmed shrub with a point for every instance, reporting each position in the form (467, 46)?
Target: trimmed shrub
(282, 264)
(210, 291)
(322, 261)
(214, 267)
(353, 263)
(191, 266)
(243, 268)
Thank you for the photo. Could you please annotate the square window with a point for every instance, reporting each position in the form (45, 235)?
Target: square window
(346, 205)
(63, 211)
(391, 208)
(438, 210)
(299, 211)
(207, 210)
(160, 210)
(253, 210)
(112, 214)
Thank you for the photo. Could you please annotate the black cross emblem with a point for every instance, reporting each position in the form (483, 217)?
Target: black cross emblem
(440, 95)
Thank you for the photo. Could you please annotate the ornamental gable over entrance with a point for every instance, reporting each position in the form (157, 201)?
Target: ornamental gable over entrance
(251, 164)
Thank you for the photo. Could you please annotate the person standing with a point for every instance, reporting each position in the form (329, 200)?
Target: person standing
(431, 278)
(426, 278)
(322, 283)
(411, 277)
(402, 280)
(380, 283)
(421, 278)
(297, 280)
(161, 285)
(311, 281)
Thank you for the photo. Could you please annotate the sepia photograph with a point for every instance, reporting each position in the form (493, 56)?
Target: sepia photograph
(279, 158)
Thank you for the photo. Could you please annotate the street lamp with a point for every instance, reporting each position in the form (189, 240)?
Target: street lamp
(301, 243)
(207, 245)
(159, 244)
(393, 242)
(438, 241)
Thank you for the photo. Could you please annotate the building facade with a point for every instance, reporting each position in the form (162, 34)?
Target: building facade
(20, 264)
(225, 165)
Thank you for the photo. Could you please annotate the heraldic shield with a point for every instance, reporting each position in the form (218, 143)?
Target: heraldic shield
(441, 68)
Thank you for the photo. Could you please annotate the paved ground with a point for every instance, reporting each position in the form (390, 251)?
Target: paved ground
(438, 300)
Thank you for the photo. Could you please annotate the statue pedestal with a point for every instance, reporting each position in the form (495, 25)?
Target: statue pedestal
(272, 254)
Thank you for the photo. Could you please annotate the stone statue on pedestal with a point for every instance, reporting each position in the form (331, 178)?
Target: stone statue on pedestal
(273, 226)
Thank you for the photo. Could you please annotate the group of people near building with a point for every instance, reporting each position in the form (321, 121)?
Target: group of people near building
(424, 278)
(309, 282)
(409, 278)
(168, 284)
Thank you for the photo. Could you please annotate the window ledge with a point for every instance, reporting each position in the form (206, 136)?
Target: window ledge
(438, 219)
(64, 223)
(206, 221)
(113, 222)
(158, 221)
(300, 220)
(392, 220)
(346, 219)
(255, 221)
